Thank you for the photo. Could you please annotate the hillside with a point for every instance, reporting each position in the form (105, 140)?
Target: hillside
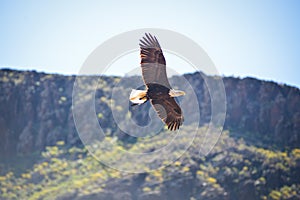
(233, 170)
(37, 108)
(42, 157)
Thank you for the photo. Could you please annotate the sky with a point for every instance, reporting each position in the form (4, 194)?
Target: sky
(243, 38)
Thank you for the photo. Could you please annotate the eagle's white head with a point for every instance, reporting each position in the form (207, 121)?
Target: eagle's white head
(176, 93)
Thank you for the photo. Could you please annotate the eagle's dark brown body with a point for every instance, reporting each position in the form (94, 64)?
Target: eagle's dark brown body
(157, 91)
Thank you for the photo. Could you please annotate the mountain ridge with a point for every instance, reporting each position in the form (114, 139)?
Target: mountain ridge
(38, 113)
(41, 155)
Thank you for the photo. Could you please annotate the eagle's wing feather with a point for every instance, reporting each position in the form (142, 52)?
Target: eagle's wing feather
(153, 62)
(169, 111)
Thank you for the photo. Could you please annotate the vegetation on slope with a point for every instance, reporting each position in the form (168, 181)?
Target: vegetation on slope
(233, 170)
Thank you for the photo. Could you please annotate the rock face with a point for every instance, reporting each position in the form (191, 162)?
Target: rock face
(36, 109)
(266, 108)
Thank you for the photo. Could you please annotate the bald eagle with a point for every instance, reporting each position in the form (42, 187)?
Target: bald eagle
(158, 90)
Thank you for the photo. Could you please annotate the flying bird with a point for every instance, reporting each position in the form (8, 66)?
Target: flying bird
(158, 89)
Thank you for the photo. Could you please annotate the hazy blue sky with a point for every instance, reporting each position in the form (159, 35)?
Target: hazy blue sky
(243, 38)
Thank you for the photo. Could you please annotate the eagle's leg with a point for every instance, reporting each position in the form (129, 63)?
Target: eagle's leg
(144, 99)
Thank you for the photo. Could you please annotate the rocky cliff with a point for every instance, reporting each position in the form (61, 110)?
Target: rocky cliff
(36, 109)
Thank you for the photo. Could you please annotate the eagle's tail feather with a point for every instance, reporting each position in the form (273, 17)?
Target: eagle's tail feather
(138, 96)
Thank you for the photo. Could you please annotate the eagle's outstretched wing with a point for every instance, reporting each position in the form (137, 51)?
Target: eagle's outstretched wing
(153, 62)
(169, 111)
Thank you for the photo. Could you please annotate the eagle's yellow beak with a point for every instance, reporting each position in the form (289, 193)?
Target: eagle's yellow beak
(182, 93)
